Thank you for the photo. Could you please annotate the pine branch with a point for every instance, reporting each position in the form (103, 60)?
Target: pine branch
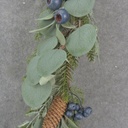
(64, 75)
(94, 52)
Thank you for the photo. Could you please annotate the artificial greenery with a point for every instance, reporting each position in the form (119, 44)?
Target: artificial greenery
(64, 35)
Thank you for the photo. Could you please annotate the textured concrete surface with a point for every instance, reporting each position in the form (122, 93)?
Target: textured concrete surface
(105, 83)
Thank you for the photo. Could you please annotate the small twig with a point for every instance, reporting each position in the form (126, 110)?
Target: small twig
(77, 98)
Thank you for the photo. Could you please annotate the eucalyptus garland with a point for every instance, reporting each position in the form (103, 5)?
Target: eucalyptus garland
(66, 31)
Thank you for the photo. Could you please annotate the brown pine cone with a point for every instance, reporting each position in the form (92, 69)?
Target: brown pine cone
(55, 113)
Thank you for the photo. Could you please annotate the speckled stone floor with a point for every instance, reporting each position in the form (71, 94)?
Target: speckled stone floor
(105, 83)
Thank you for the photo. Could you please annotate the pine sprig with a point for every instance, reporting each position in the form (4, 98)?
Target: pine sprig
(94, 52)
(64, 75)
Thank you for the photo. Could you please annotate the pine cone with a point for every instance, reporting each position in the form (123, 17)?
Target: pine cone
(55, 113)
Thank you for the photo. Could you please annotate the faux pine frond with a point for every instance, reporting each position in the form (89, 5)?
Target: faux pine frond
(94, 52)
(64, 74)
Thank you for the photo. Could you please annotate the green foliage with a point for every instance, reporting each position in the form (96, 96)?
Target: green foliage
(64, 75)
(71, 123)
(51, 61)
(79, 98)
(44, 80)
(94, 52)
(69, 25)
(38, 123)
(24, 125)
(79, 8)
(60, 36)
(38, 36)
(32, 73)
(63, 124)
(35, 96)
(82, 40)
(43, 28)
(46, 45)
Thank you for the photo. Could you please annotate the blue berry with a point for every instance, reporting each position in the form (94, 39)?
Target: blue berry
(71, 106)
(78, 116)
(69, 113)
(80, 110)
(54, 4)
(87, 111)
(61, 16)
(77, 107)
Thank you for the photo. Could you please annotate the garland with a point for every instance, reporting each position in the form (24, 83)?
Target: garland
(66, 31)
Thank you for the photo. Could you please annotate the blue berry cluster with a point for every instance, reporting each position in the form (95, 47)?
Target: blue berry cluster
(61, 16)
(77, 112)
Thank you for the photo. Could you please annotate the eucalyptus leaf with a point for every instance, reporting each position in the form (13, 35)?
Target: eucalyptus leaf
(71, 124)
(51, 31)
(29, 114)
(24, 125)
(38, 123)
(60, 36)
(68, 25)
(35, 96)
(32, 73)
(64, 125)
(52, 81)
(51, 61)
(82, 40)
(47, 45)
(48, 17)
(40, 29)
(44, 80)
(79, 8)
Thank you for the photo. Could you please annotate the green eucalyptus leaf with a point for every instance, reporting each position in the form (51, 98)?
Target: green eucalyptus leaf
(51, 31)
(82, 40)
(29, 114)
(51, 61)
(44, 80)
(71, 124)
(40, 29)
(24, 125)
(63, 125)
(47, 45)
(32, 73)
(53, 81)
(68, 25)
(79, 8)
(48, 17)
(38, 123)
(43, 23)
(60, 36)
(35, 96)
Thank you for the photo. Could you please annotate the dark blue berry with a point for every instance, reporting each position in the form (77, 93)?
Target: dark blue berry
(54, 4)
(69, 113)
(87, 111)
(78, 116)
(80, 110)
(77, 107)
(71, 106)
(61, 16)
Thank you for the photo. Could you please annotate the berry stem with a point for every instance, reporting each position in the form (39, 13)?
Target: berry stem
(77, 98)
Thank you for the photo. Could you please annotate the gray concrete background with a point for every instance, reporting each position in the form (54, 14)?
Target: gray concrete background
(105, 83)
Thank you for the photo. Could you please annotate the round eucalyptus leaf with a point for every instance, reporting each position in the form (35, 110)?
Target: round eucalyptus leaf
(51, 61)
(32, 73)
(44, 23)
(35, 96)
(60, 36)
(38, 123)
(79, 8)
(82, 40)
(47, 45)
